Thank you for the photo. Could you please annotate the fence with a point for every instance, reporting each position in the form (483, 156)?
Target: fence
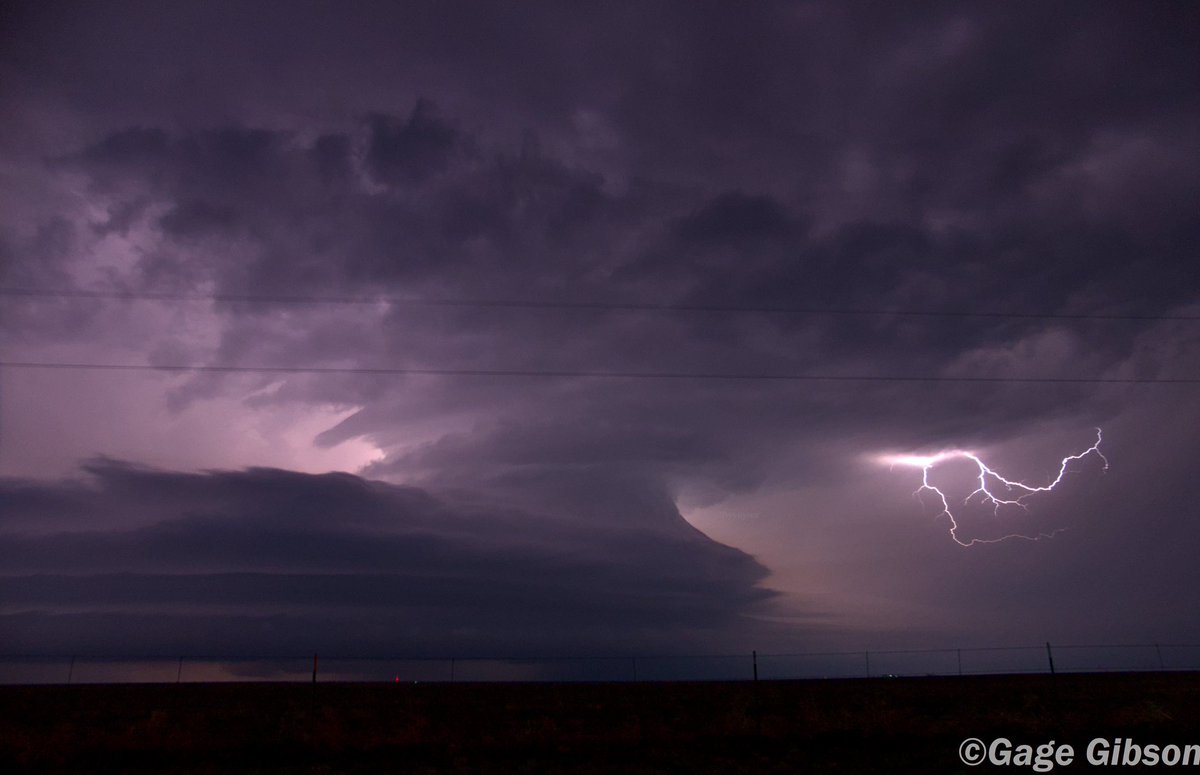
(82, 668)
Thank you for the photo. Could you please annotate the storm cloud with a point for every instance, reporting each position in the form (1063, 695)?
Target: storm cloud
(959, 194)
(401, 570)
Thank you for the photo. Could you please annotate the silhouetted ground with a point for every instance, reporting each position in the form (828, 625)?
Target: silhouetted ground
(867, 725)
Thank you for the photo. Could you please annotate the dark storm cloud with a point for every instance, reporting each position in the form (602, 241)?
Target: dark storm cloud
(196, 218)
(949, 157)
(928, 119)
(412, 151)
(734, 218)
(510, 221)
(439, 211)
(320, 547)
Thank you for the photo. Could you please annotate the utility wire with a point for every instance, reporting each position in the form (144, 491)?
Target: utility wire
(657, 375)
(567, 305)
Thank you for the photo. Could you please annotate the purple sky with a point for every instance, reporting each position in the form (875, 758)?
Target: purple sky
(1024, 159)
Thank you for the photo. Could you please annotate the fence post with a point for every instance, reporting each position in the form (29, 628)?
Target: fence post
(179, 672)
(1158, 651)
(71, 670)
(1050, 657)
(754, 661)
(314, 669)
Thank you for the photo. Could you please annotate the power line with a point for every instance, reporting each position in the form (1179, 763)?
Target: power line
(569, 305)
(574, 374)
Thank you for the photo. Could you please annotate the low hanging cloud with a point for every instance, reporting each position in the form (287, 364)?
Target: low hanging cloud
(144, 561)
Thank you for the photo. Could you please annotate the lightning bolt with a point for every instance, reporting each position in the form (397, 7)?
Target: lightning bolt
(989, 482)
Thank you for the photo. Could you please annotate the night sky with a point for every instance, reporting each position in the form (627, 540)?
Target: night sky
(582, 236)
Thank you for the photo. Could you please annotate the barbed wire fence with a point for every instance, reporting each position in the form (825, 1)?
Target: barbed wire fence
(752, 666)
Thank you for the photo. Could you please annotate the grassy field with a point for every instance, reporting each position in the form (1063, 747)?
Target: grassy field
(867, 725)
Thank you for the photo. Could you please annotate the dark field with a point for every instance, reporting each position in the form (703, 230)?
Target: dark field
(868, 725)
